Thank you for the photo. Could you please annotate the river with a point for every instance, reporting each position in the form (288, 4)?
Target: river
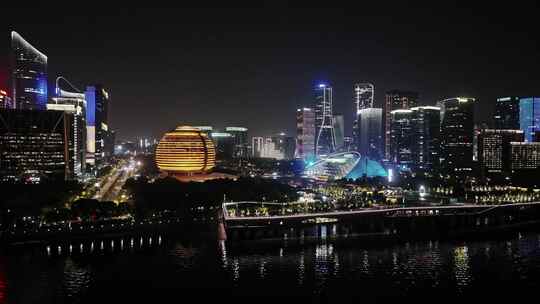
(156, 269)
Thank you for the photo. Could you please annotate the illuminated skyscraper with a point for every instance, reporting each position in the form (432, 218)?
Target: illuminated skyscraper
(401, 138)
(28, 75)
(529, 117)
(525, 156)
(369, 132)
(75, 104)
(494, 149)
(457, 127)
(305, 133)
(426, 137)
(224, 143)
(363, 96)
(339, 131)
(97, 122)
(240, 136)
(506, 115)
(34, 145)
(325, 140)
(279, 147)
(257, 146)
(395, 100)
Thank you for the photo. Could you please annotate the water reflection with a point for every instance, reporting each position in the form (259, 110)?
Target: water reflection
(461, 267)
(105, 246)
(3, 280)
(66, 272)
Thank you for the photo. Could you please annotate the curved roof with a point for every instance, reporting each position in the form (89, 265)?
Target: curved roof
(369, 168)
(344, 165)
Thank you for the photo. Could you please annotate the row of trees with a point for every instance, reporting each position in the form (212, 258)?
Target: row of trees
(169, 194)
(32, 199)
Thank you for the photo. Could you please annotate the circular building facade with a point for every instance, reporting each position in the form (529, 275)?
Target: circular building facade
(185, 151)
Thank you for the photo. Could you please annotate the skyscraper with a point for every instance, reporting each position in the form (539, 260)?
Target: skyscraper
(401, 138)
(224, 143)
(525, 156)
(457, 127)
(34, 145)
(325, 142)
(257, 146)
(426, 137)
(75, 104)
(506, 116)
(240, 136)
(369, 132)
(339, 130)
(363, 96)
(279, 147)
(529, 117)
(395, 100)
(28, 75)
(271, 149)
(494, 149)
(97, 122)
(305, 133)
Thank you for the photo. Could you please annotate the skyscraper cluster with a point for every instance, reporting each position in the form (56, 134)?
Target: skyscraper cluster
(65, 135)
(408, 137)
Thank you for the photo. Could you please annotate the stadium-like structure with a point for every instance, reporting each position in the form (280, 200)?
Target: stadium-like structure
(340, 165)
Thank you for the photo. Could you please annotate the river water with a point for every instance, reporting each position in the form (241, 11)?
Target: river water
(158, 269)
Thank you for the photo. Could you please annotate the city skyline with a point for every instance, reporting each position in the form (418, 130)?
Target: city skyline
(245, 68)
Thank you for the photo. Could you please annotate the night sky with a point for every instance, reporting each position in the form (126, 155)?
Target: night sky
(254, 66)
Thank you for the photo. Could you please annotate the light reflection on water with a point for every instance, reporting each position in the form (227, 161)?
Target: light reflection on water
(68, 273)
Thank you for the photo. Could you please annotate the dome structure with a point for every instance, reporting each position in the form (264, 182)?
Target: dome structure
(185, 151)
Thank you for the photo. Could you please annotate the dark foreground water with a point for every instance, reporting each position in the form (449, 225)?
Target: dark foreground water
(162, 270)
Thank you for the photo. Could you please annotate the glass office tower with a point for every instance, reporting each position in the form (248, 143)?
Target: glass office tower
(305, 133)
(529, 117)
(506, 116)
(369, 133)
(457, 132)
(395, 100)
(28, 75)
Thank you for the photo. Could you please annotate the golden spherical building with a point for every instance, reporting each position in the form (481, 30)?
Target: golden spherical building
(185, 151)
